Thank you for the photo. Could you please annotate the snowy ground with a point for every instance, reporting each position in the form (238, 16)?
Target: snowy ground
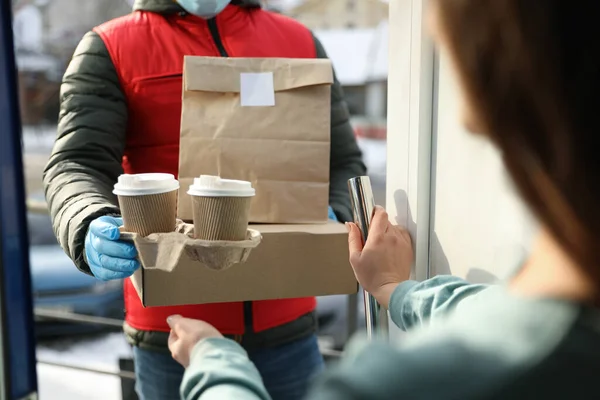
(38, 138)
(103, 353)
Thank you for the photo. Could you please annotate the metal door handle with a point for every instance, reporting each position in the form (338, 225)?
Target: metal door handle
(363, 205)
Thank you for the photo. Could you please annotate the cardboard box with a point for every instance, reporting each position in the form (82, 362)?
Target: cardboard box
(263, 120)
(291, 261)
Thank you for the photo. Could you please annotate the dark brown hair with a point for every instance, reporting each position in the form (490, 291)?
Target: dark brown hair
(531, 72)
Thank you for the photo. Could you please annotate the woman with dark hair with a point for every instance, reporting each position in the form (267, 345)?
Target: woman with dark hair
(530, 76)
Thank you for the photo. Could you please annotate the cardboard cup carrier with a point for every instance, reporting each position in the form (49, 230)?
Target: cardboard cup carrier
(221, 208)
(148, 202)
(219, 238)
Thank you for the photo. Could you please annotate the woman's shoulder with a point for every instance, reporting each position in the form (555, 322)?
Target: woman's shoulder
(493, 346)
(446, 369)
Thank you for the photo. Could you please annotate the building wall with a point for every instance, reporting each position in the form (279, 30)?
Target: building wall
(28, 27)
(480, 228)
(52, 41)
(339, 14)
(66, 21)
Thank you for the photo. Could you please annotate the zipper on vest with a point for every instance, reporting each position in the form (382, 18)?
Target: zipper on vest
(214, 32)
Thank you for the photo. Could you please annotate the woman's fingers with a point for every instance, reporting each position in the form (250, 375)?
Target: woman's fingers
(379, 222)
(178, 325)
(405, 235)
(173, 338)
(355, 241)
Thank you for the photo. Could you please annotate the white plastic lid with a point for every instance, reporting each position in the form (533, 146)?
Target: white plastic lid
(145, 184)
(214, 186)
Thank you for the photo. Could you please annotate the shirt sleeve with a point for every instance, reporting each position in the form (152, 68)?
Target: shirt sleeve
(220, 369)
(417, 303)
(86, 158)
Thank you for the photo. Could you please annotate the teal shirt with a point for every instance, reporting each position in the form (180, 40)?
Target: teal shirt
(465, 342)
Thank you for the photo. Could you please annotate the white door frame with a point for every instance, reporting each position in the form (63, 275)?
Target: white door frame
(411, 110)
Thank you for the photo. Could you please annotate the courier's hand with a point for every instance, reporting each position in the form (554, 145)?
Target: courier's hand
(107, 257)
(385, 260)
(185, 333)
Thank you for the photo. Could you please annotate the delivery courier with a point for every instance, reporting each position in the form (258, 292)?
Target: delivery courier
(121, 107)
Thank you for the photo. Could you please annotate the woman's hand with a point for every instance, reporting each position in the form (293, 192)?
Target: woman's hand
(185, 333)
(385, 260)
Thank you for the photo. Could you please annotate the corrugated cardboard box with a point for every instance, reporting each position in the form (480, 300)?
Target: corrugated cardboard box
(291, 261)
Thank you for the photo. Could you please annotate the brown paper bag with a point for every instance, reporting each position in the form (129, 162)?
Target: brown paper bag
(262, 120)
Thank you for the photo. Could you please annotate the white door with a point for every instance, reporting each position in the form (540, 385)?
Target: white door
(448, 186)
(480, 229)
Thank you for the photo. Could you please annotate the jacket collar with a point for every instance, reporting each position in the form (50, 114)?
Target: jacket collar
(171, 6)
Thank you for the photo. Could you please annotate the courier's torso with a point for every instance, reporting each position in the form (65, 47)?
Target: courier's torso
(147, 50)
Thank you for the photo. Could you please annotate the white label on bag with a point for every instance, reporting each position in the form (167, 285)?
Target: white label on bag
(257, 90)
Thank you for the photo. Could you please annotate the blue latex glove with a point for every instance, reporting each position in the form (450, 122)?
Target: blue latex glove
(332, 215)
(107, 257)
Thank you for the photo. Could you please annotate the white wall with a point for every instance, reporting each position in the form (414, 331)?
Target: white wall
(478, 223)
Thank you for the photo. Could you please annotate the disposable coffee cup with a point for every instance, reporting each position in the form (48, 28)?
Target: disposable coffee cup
(148, 202)
(221, 208)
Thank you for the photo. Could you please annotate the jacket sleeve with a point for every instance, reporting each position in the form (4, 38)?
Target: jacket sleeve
(417, 303)
(346, 158)
(220, 369)
(86, 158)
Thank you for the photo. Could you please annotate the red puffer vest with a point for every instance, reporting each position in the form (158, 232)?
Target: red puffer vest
(147, 50)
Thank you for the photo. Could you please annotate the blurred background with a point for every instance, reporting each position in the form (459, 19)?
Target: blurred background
(81, 352)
